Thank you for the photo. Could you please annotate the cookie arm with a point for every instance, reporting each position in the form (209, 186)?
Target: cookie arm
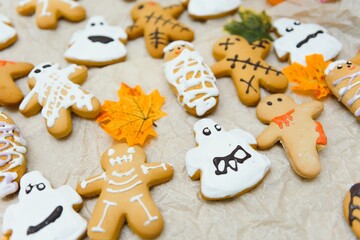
(192, 163)
(77, 76)
(71, 196)
(8, 222)
(136, 30)
(279, 49)
(30, 105)
(156, 173)
(268, 137)
(220, 69)
(91, 186)
(26, 7)
(313, 108)
(244, 135)
(174, 10)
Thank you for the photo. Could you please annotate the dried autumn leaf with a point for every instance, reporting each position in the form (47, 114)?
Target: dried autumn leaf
(133, 117)
(310, 79)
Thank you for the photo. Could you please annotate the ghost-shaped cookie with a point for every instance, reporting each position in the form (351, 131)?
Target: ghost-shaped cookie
(98, 44)
(43, 212)
(299, 40)
(8, 34)
(224, 160)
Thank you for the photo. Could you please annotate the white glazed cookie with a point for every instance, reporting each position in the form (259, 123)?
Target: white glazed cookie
(299, 40)
(98, 44)
(224, 160)
(8, 34)
(43, 212)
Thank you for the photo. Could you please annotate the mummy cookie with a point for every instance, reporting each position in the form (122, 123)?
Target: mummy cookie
(292, 124)
(57, 92)
(208, 9)
(299, 40)
(8, 35)
(245, 63)
(191, 79)
(351, 207)
(48, 12)
(98, 45)
(12, 156)
(10, 94)
(224, 161)
(43, 212)
(158, 25)
(124, 193)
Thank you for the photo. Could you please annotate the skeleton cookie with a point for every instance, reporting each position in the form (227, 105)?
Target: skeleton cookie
(299, 40)
(293, 125)
(43, 212)
(351, 207)
(158, 25)
(245, 64)
(124, 193)
(98, 45)
(190, 78)
(48, 12)
(224, 160)
(8, 34)
(57, 92)
(12, 158)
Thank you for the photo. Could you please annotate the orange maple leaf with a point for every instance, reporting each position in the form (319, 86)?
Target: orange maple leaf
(310, 78)
(133, 117)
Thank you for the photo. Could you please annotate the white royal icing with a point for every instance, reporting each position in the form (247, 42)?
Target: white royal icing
(219, 144)
(333, 65)
(45, 5)
(38, 201)
(203, 8)
(84, 49)
(6, 32)
(151, 218)
(108, 204)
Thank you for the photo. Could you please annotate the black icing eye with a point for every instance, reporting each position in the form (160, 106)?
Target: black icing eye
(289, 29)
(349, 62)
(37, 71)
(93, 24)
(140, 7)
(297, 23)
(101, 23)
(238, 39)
(279, 99)
(218, 127)
(29, 189)
(47, 66)
(206, 131)
(40, 186)
(269, 103)
(339, 67)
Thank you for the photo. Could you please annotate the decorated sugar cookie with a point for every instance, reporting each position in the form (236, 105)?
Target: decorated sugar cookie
(48, 12)
(8, 33)
(43, 212)
(124, 193)
(98, 45)
(158, 25)
(57, 92)
(10, 94)
(12, 156)
(208, 9)
(190, 78)
(245, 64)
(299, 40)
(292, 124)
(351, 208)
(224, 161)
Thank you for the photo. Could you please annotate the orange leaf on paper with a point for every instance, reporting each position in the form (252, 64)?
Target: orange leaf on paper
(133, 117)
(310, 78)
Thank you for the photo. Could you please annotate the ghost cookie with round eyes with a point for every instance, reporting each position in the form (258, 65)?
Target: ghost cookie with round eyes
(298, 40)
(98, 45)
(292, 124)
(123, 190)
(8, 35)
(351, 207)
(245, 64)
(158, 25)
(190, 78)
(43, 212)
(58, 93)
(48, 12)
(224, 161)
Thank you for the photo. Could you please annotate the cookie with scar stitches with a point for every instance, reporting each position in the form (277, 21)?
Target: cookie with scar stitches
(158, 25)
(351, 207)
(245, 64)
(48, 12)
(123, 190)
(8, 35)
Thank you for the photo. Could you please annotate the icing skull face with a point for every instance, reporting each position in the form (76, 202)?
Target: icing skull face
(273, 106)
(173, 50)
(122, 157)
(144, 7)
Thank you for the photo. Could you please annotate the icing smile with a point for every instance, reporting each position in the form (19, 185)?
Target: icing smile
(239, 155)
(101, 39)
(307, 39)
(50, 219)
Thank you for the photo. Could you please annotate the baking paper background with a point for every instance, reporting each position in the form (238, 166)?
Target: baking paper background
(283, 206)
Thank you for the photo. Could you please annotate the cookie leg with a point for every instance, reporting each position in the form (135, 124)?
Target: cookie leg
(183, 33)
(10, 94)
(72, 11)
(248, 89)
(62, 125)
(46, 16)
(85, 113)
(156, 40)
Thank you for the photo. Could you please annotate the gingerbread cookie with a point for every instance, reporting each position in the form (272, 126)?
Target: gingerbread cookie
(351, 207)
(299, 40)
(190, 78)
(8, 35)
(224, 160)
(57, 92)
(12, 156)
(124, 193)
(43, 212)
(244, 62)
(292, 124)
(48, 12)
(158, 25)
(98, 45)
(10, 94)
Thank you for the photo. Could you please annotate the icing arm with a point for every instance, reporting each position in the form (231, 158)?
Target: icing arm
(8, 221)
(157, 173)
(313, 108)
(27, 7)
(121, 34)
(356, 59)
(91, 186)
(280, 51)
(79, 75)
(71, 196)
(30, 105)
(136, 30)
(250, 139)
(268, 137)
(219, 70)
(174, 10)
(192, 162)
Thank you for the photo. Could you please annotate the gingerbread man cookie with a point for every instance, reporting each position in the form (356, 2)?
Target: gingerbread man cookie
(244, 62)
(10, 94)
(292, 124)
(158, 25)
(43, 212)
(48, 12)
(12, 156)
(351, 208)
(124, 193)
(299, 40)
(225, 161)
(57, 92)
(98, 45)
(190, 78)
(8, 35)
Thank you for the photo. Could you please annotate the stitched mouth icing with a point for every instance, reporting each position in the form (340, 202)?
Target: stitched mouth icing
(307, 39)
(238, 155)
(101, 39)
